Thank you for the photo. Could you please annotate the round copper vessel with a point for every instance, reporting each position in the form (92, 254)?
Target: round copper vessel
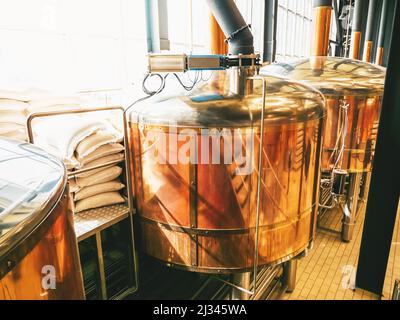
(353, 90)
(38, 249)
(200, 212)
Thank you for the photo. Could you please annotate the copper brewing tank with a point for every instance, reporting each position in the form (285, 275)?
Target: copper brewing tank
(349, 85)
(38, 250)
(201, 215)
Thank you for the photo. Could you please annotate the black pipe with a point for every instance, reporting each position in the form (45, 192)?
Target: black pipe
(382, 26)
(339, 34)
(322, 3)
(236, 30)
(369, 33)
(270, 24)
(357, 16)
(383, 197)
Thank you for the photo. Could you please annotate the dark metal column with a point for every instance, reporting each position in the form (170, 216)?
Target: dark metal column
(381, 37)
(356, 30)
(383, 198)
(270, 22)
(369, 33)
(339, 30)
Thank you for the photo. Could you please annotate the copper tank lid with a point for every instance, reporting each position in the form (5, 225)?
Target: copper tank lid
(333, 76)
(213, 105)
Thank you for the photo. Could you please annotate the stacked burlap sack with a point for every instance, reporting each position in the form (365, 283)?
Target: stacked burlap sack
(13, 115)
(17, 104)
(82, 142)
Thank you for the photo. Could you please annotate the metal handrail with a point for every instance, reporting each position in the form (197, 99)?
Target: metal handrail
(128, 176)
(72, 174)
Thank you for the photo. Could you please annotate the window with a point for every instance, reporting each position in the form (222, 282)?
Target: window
(294, 27)
(190, 33)
(188, 26)
(72, 45)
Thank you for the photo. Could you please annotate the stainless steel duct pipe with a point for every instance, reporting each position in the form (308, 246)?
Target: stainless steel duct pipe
(236, 30)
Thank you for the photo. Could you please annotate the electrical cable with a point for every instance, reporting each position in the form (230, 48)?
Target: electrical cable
(339, 151)
(209, 77)
(161, 87)
(343, 109)
(187, 88)
(147, 91)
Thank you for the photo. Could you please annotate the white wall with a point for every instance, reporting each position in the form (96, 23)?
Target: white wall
(82, 45)
(72, 45)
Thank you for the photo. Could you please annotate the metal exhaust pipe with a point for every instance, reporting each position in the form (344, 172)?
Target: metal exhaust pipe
(356, 30)
(237, 32)
(322, 27)
(369, 34)
(381, 38)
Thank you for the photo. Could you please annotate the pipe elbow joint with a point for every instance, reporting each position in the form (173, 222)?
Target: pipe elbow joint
(243, 43)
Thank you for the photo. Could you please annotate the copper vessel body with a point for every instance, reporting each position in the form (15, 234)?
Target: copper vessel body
(58, 248)
(202, 217)
(217, 38)
(347, 84)
(39, 257)
(367, 51)
(379, 56)
(355, 45)
(362, 129)
(322, 26)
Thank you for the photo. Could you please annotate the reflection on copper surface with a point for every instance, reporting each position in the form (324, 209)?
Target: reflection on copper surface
(355, 45)
(57, 248)
(202, 216)
(226, 201)
(363, 116)
(353, 83)
(379, 56)
(321, 30)
(367, 51)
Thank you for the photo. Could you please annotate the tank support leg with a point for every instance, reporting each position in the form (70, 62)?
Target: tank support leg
(289, 274)
(365, 187)
(350, 207)
(241, 280)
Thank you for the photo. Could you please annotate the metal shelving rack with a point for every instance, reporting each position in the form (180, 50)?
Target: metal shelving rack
(91, 223)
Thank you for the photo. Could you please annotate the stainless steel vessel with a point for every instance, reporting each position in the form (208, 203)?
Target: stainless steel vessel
(195, 158)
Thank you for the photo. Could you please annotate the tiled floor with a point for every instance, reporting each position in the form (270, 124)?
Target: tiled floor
(328, 271)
